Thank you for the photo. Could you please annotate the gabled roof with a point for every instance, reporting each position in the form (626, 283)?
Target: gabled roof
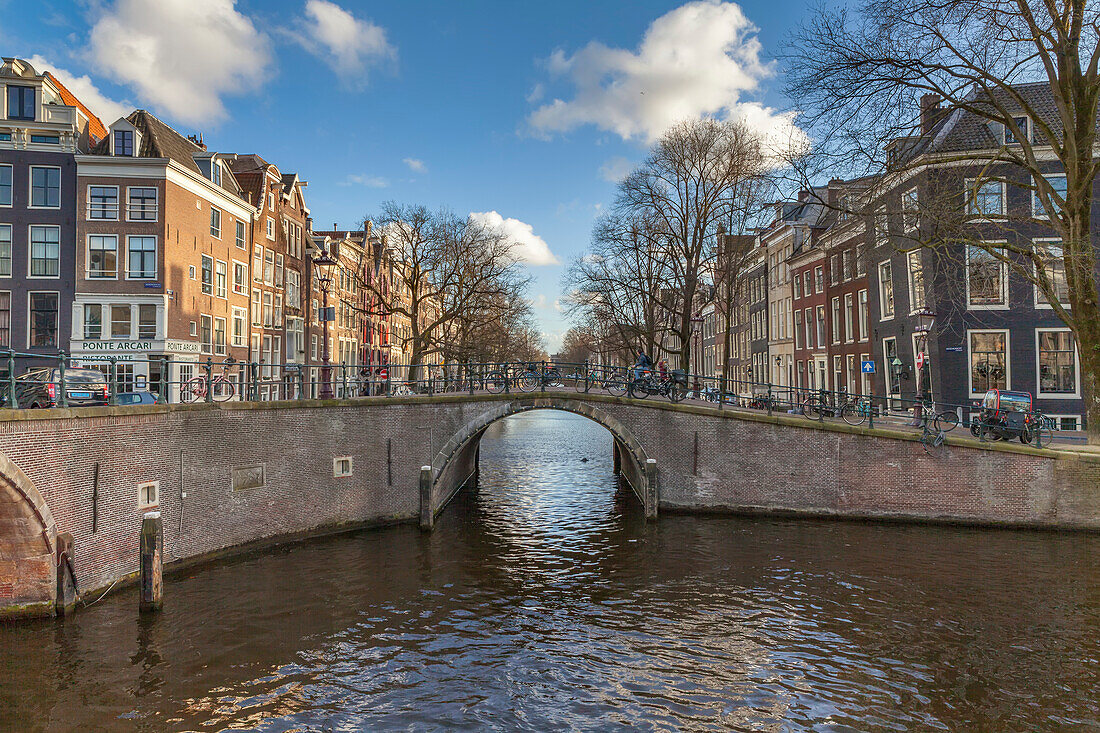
(158, 140)
(96, 129)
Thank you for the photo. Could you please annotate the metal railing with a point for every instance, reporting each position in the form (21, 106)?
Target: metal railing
(62, 380)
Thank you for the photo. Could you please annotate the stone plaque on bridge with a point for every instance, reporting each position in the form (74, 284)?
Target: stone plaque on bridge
(248, 477)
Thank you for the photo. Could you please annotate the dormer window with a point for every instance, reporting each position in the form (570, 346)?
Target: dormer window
(124, 142)
(20, 103)
(216, 172)
(1024, 124)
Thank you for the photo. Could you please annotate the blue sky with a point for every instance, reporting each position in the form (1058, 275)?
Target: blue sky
(525, 109)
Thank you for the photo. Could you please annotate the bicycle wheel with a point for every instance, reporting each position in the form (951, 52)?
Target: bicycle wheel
(615, 386)
(223, 390)
(810, 408)
(529, 382)
(852, 414)
(495, 382)
(553, 378)
(579, 382)
(676, 392)
(193, 390)
(946, 421)
(639, 389)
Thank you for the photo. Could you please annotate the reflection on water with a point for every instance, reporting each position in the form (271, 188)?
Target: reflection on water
(543, 601)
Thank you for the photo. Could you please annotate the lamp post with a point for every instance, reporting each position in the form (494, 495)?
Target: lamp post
(324, 265)
(925, 319)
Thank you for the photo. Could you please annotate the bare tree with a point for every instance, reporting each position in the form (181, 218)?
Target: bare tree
(449, 270)
(687, 186)
(1010, 64)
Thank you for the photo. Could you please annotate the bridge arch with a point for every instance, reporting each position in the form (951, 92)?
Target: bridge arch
(28, 542)
(456, 461)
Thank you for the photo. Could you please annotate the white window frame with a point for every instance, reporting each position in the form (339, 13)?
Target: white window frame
(834, 312)
(224, 294)
(914, 213)
(88, 202)
(88, 257)
(1027, 130)
(1036, 204)
(60, 246)
(970, 358)
(913, 307)
(156, 256)
(342, 467)
(244, 285)
(972, 199)
(864, 314)
(270, 229)
(30, 188)
(1076, 394)
(215, 234)
(849, 317)
(1035, 293)
(236, 312)
(11, 252)
(156, 205)
(1060, 416)
(241, 242)
(10, 167)
(966, 277)
(142, 488)
(887, 366)
(27, 329)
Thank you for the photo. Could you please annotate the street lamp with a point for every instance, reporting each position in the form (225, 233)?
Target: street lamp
(925, 319)
(324, 265)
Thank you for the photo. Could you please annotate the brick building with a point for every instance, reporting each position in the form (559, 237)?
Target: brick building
(164, 232)
(42, 127)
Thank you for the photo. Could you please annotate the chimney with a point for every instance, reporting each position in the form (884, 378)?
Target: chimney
(930, 112)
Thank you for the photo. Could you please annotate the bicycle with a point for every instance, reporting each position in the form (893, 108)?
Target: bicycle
(649, 384)
(221, 386)
(932, 441)
(945, 421)
(1042, 430)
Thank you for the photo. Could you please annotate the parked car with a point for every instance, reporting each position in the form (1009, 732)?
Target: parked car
(41, 388)
(138, 398)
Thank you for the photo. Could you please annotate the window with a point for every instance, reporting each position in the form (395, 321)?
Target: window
(147, 321)
(256, 321)
(836, 320)
(861, 260)
(216, 172)
(5, 319)
(278, 271)
(5, 250)
(341, 467)
(797, 284)
(207, 275)
(278, 310)
(46, 139)
(267, 309)
(849, 317)
(834, 269)
(141, 204)
(5, 185)
(206, 334)
(1058, 183)
(45, 187)
(809, 328)
(984, 198)
(219, 336)
(142, 258)
(270, 228)
(220, 279)
(43, 320)
(850, 368)
(194, 329)
(820, 326)
(864, 316)
(986, 278)
(20, 102)
(240, 278)
(269, 267)
(838, 374)
(1050, 252)
(45, 251)
(293, 289)
(148, 494)
(1023, 124)
(240, 326)
(916, 281)
(808, 285)
(893, 375)
(215, 223)
(120, 321)
(846, 258)
(258, 264)
(910, 210)
(819, 279)
(102, 256)
(124, 142)
(103, 202)
(240, 235)
(93, 321)
(271, 207)
(798, 329)
(885, 290)
(882, 226)
(1057, 356)
(988, 361)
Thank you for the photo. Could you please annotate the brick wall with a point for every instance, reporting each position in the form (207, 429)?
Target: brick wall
(745, 462)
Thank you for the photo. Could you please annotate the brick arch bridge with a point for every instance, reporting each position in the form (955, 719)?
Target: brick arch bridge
(235, 474)
(456, 461)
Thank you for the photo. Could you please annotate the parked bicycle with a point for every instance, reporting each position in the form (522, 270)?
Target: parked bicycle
(221, 386)
(674, 386)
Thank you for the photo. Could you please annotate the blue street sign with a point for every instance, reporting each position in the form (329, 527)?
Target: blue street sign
(868, 366)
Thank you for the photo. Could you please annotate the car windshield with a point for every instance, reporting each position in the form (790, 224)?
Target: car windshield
(129, 399)
(1015, 402)
(73, 377)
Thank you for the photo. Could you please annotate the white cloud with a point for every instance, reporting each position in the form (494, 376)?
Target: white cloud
(696, 60)
(416, 165)
(106, 109)
(348, 45)
(183, 56)
(615, 170)
(362, 179)
(529, 247)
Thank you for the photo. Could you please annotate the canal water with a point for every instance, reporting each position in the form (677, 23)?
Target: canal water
(543, 601)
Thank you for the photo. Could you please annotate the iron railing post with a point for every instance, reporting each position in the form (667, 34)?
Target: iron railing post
(871, 412)
(769, 398)
(112, 381)
(301, 382)
(470, 375)
(64, 397)
(209, 367)
(11, 380)
(507, 378)
(344, 379)
(586, 381)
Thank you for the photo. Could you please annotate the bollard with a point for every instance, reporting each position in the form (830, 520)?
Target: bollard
(427, 515)
(651, 496)
(66, 576)
(151, 547)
